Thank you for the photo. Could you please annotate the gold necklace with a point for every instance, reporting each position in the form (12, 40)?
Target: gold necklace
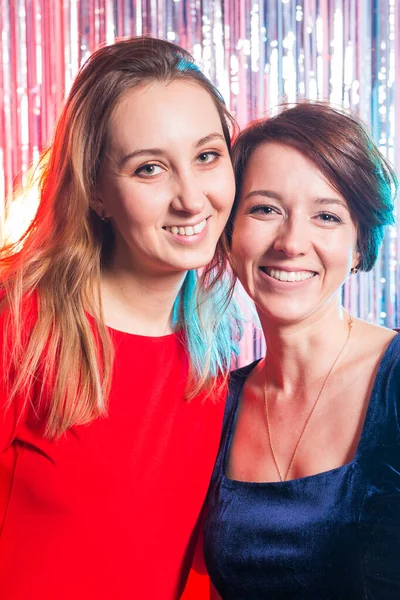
(350, 324)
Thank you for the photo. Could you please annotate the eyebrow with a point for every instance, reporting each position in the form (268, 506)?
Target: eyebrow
(265, 193)
(331, 201)
(210, 138)
(276, 196)
(158, 151)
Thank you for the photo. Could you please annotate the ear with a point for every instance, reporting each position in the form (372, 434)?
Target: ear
(356, 259)
(97, 204)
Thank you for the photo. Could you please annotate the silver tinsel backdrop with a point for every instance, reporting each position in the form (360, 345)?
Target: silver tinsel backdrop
(258, 54)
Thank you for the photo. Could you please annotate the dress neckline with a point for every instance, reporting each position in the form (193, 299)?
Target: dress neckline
(120, 333)
(368, 421)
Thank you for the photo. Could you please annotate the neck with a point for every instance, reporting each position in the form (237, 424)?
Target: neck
(138, 303)
(303, 352)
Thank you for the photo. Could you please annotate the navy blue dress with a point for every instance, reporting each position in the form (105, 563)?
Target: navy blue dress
(334, 535)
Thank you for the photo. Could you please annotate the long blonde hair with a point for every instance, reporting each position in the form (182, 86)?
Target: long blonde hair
(59, 259)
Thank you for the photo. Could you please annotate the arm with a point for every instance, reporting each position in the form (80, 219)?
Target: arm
(199, 586)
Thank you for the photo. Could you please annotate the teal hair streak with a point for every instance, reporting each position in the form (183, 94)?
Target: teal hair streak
(211, 325)
(210, 317)
(185, 66)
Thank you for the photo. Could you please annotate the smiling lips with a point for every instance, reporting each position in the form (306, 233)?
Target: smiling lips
(291, 276)
(187, 230)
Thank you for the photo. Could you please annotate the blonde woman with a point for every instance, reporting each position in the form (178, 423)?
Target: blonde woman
(114, 350)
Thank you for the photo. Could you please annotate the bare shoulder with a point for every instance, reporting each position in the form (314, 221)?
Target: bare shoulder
(371, 340)
(367, 347)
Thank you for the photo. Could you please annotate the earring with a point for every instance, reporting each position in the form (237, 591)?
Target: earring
(103, 218)
(353, 270)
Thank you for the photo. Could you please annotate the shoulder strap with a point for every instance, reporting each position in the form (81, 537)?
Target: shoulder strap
(236, 382)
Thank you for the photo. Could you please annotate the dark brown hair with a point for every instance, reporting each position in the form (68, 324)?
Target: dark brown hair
(342, 149)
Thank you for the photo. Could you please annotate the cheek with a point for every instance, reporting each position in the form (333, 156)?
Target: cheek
(243, 249)
(222, 188)
(339, 252)
(251, 237)
(138, 206)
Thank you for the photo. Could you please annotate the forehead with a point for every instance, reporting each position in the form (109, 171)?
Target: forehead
(159, 113)
(283, 168)
(267, 157)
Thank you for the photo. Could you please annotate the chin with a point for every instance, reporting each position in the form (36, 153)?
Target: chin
(200, 262)
(187, 266)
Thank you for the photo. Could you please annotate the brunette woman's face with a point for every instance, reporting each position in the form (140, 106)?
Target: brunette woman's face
(167, 184)
(294, 241)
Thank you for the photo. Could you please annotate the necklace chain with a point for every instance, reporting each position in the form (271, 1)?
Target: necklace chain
(350, 324)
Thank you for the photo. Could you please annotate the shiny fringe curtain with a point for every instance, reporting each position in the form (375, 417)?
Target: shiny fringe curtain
(259, 54)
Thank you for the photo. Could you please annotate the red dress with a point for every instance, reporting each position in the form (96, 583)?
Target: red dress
(108, 511)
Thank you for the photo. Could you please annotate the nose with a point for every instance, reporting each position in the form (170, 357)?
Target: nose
(188, 195)
(293, 237)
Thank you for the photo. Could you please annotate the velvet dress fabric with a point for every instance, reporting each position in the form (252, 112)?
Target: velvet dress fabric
(334, 535)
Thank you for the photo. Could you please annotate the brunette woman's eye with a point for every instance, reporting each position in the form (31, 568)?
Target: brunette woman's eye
(262, 209)
(326, 217)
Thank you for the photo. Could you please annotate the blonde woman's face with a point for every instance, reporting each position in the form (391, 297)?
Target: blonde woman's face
(167, 184)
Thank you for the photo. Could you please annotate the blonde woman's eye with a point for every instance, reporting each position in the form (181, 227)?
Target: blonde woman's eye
(208, 157)
(149, 170)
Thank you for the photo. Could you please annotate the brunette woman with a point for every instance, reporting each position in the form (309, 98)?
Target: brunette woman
(305, 501)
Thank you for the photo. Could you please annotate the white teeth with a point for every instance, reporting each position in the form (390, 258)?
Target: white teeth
(199, 227)
(283, 276)
(189, 230)
(289, 275)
